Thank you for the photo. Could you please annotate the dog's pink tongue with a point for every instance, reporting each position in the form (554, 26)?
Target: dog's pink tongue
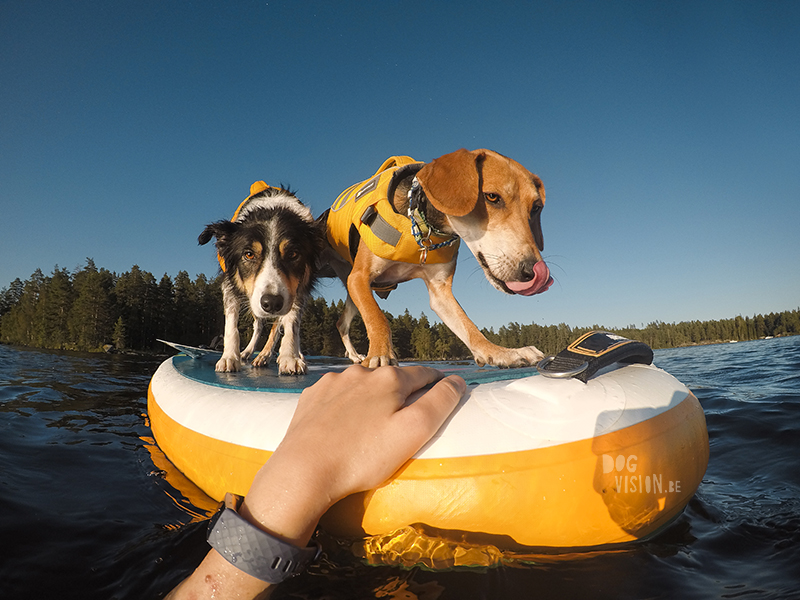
(540, 283)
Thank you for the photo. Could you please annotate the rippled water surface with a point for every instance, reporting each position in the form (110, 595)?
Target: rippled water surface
(85, 512)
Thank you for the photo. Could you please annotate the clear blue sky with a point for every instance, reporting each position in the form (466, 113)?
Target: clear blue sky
(667, 135)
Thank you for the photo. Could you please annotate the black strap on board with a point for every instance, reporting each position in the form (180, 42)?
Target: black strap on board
(593, 351)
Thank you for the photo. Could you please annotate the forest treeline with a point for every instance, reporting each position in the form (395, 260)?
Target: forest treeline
(92, 308)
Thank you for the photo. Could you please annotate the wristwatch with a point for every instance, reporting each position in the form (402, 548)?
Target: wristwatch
(252, 549)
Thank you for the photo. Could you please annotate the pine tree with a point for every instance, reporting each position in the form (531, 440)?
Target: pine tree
(166, 313)
(10, 296)
(118, 338)
(422, 340)
(92, 314)
(402, 328)
(137, 294)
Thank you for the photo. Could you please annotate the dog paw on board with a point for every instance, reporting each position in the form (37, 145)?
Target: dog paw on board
(509, 357)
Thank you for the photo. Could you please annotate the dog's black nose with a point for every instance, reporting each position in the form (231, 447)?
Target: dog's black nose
(525, 270)
(271, 303)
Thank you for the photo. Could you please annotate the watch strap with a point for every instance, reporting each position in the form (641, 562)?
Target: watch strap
(253, 550)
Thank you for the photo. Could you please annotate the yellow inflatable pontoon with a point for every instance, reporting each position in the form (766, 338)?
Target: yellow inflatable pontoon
(528, 463)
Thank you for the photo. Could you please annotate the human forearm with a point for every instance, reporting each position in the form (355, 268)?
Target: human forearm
(350, 432)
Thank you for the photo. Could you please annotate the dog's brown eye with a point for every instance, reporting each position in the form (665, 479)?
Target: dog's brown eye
(491, 197)
(249, 255)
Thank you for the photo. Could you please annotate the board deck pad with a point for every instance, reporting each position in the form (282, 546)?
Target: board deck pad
(198, 364)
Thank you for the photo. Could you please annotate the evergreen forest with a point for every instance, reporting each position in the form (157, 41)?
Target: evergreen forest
(91, 309)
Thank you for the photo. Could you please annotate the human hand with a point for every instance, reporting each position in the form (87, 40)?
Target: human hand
(351, 432)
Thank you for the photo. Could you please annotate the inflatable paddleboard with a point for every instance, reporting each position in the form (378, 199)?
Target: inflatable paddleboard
(597, 453)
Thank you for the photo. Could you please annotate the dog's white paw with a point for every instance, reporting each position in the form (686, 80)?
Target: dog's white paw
(262, 360)
(355, 357)
(291, 365)
(373, 362)
(509, 357)
(528, 355)
(228, 364)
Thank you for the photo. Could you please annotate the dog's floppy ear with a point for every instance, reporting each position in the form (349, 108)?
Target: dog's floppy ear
(220, 230)
(451, 182)
(536, 215)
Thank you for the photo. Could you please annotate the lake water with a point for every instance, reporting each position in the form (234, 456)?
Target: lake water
(86, 513)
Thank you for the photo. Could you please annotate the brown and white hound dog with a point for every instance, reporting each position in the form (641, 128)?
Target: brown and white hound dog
(488, 201)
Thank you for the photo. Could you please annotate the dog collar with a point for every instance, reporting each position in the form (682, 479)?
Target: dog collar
(421, 229)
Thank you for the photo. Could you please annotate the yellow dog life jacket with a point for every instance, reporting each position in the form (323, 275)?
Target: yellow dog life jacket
(366, 206)
(256, 188)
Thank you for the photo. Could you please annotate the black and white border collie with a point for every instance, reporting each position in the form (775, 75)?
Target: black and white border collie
(268, 253)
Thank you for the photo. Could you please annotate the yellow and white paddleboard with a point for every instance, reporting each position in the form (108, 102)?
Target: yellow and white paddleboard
(525, 462)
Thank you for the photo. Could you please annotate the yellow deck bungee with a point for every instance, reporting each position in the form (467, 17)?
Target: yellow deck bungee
(366, 207)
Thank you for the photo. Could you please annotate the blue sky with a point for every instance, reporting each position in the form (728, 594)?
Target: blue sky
(667, 135)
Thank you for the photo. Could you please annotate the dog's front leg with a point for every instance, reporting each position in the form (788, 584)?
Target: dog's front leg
(251, 345)
(444, 304)
(230, 360)
(343, 325)
(380, 334)
(290, 359)
(342, 269)
(263, 358)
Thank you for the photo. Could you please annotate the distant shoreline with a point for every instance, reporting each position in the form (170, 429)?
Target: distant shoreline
(163, 355)
(91, 308)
